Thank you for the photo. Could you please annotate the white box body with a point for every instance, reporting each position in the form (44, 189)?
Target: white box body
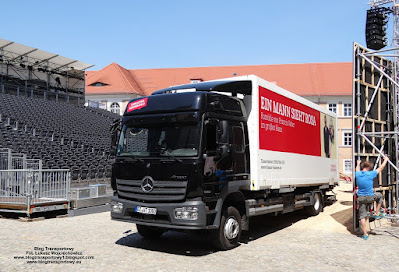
(293, 142)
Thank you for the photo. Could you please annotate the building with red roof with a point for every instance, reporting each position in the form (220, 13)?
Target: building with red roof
(326, 84)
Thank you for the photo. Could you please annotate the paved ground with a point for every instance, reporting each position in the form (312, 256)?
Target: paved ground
(292, 242)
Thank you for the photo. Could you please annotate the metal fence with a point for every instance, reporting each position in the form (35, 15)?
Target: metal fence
(9, 160)
(26, 188)
(35, 164)
(5, 158)
(18, 161)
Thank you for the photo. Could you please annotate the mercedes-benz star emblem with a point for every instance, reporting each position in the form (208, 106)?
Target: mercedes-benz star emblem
(147, 184)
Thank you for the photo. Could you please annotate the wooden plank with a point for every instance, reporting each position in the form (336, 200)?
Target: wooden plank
(13, 206)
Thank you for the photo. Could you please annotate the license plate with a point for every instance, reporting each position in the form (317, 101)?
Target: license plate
(146, 210)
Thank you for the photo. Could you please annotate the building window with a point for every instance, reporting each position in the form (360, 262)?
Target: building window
(115, 108)
(347, 139)
(98, 84)
(195, 80)
(347, 166)
(347, 109)
(332, 107)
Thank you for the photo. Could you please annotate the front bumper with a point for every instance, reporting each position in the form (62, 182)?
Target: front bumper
(164, 217)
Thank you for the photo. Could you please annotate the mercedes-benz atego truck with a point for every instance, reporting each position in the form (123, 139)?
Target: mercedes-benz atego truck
(210, 155)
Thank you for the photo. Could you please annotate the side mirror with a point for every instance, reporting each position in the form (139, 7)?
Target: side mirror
(115, 133)
(223, 133)
(217, 138)
(223, 140)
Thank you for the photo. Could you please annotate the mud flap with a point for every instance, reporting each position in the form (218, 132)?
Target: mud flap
(288, 203)
(245, 223)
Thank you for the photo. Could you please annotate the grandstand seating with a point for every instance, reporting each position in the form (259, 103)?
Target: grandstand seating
(60, 134)
(40, 89)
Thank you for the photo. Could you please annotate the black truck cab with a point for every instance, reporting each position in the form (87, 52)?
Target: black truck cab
(179, 156)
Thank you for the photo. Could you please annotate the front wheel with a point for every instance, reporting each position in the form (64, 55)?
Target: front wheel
(229, 233)
(150, 232)
(317, 206)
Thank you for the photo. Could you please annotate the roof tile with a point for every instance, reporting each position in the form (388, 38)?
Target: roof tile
(307, 79)
(117, 78)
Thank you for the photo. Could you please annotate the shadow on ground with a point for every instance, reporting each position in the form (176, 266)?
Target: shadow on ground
(261, 226)
(34, 216)
(347, 191)
(346, 203)
(345, 217)
(200, 244)
(172, 242)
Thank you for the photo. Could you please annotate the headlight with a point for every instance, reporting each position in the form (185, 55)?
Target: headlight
(187, 213)
(116, 207)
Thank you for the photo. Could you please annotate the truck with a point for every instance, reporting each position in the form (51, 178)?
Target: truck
(210, 155)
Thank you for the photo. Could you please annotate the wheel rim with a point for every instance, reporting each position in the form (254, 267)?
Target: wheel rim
(316, 202)
(231, 228)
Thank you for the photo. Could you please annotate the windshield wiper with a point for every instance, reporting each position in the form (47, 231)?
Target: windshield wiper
(131, 157)
(170, 155)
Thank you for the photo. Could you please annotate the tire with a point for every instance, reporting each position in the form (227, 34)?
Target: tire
(317, 206)
(229, 233)
(150, 232)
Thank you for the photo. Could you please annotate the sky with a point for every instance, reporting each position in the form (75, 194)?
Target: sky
(171, 33)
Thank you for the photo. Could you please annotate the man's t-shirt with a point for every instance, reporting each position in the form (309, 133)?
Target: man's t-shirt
(364, 181)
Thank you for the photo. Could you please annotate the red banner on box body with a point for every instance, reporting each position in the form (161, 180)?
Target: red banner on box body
(288, 126)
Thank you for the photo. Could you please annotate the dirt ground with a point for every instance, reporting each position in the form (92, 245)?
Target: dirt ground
(336, 217)
(289, 242)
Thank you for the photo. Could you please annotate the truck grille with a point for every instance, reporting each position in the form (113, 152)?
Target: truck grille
(164, 191)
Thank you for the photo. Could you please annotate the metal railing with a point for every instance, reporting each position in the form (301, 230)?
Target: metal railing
(18, 161)
(9, 160)
(5, 158)
(29, 187)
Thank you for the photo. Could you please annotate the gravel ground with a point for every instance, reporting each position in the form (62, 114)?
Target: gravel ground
(291, 242)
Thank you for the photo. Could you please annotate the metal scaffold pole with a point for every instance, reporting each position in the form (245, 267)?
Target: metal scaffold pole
(396, 73)
(376, 96)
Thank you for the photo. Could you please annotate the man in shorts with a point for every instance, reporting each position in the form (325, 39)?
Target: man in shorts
(366, 195)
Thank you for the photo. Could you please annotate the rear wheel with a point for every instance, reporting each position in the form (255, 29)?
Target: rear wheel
(317, 206)
(150, 232)
(229, 233)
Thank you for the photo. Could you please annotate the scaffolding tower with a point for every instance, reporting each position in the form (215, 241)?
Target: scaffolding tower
(376, 111)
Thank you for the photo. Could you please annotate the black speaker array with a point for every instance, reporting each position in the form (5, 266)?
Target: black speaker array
(375, 29)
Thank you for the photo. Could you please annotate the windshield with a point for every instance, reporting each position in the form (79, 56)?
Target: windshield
(176, 140)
